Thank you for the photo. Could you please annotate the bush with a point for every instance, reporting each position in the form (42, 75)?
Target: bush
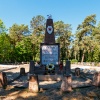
(73, 61)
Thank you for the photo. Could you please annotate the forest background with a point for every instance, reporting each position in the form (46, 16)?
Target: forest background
(21, 44)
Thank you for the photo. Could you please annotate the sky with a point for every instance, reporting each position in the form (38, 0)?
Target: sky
(69, 11)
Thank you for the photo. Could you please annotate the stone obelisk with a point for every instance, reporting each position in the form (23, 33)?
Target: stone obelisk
(49, 33)
(49, 50)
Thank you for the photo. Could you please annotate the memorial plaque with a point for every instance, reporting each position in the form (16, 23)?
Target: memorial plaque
(49, 53)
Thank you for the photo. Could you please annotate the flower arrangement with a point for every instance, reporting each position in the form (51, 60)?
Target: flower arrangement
(50, 66)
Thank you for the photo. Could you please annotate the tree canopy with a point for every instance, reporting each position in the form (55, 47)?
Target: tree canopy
(20, 43)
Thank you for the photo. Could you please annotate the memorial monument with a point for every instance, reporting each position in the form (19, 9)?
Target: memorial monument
(50, 54)
(49, 51)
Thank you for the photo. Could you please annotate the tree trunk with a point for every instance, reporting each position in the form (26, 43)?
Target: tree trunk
(82, 58)
(80, 55)
(75, 55)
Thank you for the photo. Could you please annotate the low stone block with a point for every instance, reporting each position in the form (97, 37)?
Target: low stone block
(66, 84)
(3, 80)
(22, 71)
(77, 71)
(96, 79)
(33, 83)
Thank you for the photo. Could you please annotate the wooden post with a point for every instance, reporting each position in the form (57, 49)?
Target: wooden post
(96, 79)
(3, 80)
(33, 83)
(66, 84)
(22, 71)
(77, 71)
(31, 70)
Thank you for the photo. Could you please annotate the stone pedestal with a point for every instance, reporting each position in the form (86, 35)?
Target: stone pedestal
(33, 83)
(31, 68)
(66, 84)
(3, 80)
(22, 71)
(96, 79)
(77, 71)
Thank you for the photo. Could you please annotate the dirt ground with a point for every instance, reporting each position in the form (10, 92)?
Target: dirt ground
(18, 93)
(89, 93)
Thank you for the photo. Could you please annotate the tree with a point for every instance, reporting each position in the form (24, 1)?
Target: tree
(58, 28)
(2, 27)
(83, 35)
(96, 43)
(63, 33)
(4, 43)
(4, 47)
(38, 29)
(36, 40)
(74, 50)
(96, 55)
(24, 50)
(38, 24)
(17, 33)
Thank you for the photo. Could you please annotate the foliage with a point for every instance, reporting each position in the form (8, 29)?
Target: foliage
(84, 36)
(21, 44)
(2, 27)
(96, 55)
(16, 32)
(24, 50)
(5, 48)
(63, 31)
(74, 61)
(37, 24)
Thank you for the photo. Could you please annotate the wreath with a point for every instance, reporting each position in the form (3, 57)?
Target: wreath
(50, 67)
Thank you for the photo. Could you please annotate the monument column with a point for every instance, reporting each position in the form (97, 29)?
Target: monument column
(49, 50)
(49, 33)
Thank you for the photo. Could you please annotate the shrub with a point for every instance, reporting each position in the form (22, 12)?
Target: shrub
(74, 61)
